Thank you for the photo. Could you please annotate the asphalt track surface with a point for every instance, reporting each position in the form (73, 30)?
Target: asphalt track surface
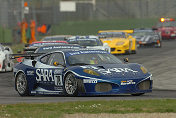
(161, 62)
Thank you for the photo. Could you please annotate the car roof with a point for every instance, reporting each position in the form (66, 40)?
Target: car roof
(57, 36)
(84, 37)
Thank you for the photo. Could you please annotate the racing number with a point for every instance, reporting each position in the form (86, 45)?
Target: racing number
(58, 80)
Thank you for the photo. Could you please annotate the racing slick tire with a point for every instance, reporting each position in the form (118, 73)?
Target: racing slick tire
(127, 52)
(4, 65)
(133, 52)
(71, 85)
(137, 94)
(21, 85)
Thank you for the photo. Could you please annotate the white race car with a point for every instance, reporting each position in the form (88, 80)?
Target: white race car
(91, 42)
(6, 64)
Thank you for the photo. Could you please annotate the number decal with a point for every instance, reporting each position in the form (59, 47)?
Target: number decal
(58, 80)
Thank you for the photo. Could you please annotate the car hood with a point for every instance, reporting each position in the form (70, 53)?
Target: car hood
(106, 40)
(112, 71)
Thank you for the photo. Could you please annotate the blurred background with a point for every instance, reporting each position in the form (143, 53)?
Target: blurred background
(78, 17)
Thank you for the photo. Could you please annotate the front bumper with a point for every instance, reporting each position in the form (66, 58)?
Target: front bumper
(117, 87)
(119, 50)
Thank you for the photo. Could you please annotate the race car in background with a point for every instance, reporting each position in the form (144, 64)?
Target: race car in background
(32, 47)
(166, 27)
(131, 38)
(119, 42)
(6, 64)
(147, 37)
(56, 38)
(89, 42)
(80, 72)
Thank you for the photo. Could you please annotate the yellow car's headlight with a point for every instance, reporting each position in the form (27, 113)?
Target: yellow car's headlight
(144, 70)
(91, 72)
(120, 43)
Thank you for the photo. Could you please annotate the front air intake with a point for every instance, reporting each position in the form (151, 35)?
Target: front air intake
(145, 85)
(103, 87)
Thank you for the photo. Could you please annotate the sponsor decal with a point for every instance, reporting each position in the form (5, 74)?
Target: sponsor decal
(59, 47)
(30, 72)
(50, 93)
(57, 71)
(46, 76)
(58, 88)
(88, 52)
(128, 82)
(110, 70)
(89, 81)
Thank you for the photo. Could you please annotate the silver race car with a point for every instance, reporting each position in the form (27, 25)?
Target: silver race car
(147, 37)
(6, 64)
(89, 42)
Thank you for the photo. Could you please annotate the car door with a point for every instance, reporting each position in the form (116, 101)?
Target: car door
(49, 71)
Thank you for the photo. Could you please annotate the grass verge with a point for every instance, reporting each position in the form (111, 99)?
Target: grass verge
(92, 27)
(53, 110)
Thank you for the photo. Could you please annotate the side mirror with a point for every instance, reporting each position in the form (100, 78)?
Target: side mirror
(55, 63)
(34, 63)
(125, 60)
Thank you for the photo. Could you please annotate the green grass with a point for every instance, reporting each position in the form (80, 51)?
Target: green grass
(92, 27)
(56, 110)
(5, 35)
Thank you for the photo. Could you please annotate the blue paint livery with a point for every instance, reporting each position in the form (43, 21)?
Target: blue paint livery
(124, 78)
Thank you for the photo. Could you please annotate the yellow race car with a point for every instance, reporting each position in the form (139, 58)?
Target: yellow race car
(119, 41)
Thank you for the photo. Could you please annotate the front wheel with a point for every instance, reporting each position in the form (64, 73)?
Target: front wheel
(21, 85)
(71, 85)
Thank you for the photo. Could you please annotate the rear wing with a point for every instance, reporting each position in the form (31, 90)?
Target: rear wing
(30, 49)
(28, 56)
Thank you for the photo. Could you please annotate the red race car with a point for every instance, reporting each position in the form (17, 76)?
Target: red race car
(166, 28)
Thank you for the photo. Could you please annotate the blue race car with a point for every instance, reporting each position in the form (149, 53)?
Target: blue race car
(80, 72)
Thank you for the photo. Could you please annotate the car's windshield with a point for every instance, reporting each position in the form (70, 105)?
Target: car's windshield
(86, 59)
(112, 34)
(166, 24)
(143, 33)
(86, 42)
(61, 38)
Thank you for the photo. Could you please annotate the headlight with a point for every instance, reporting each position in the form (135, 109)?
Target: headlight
(144, 70)
(120, 43)
(91, 72)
